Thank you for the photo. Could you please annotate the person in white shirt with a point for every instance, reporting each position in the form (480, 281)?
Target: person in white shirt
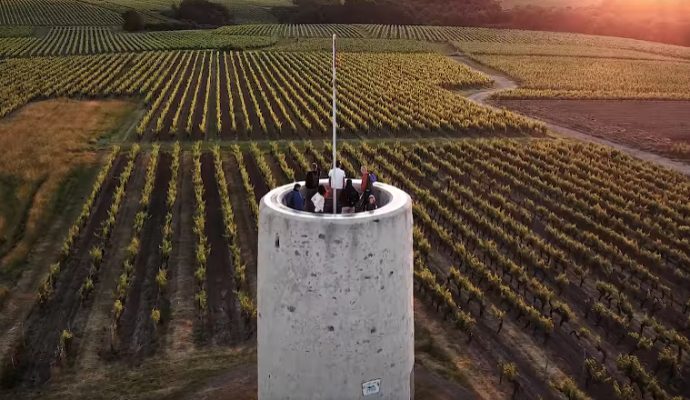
(319, 200)
(336, 179)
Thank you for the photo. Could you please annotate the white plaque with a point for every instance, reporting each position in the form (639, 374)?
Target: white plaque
(371, 387)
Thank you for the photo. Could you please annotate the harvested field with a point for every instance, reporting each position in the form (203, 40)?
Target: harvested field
(657, 126)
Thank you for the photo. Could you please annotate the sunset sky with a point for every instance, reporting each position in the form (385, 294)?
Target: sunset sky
(646, 5)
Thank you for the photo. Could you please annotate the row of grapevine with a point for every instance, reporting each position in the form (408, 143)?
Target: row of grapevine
(243, 290)
(246, 182)
(201, 248)
(126, 277)
(97, 252)
(167, 230)
(46, 289)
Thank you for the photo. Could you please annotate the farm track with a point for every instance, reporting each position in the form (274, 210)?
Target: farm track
(503, 82)
(138, 335)
(37, 352)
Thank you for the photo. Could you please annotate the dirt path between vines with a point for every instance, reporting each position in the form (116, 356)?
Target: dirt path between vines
(503, 82)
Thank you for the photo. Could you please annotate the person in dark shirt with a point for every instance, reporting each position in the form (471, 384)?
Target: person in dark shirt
(295, 199)
(311, 184)
(349, 197)
(371, 203)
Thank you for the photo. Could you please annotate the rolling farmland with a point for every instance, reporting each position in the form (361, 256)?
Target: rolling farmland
(544, 267)
(510, 244)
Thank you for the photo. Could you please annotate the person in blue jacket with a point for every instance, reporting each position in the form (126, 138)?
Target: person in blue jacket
(295, 199)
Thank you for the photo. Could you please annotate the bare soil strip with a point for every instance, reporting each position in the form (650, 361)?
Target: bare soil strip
(652, 125)
(260, 186)
(503, 82)
(475, 366)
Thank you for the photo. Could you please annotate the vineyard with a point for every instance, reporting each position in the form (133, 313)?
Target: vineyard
(465, 35)
(476, 48)
(55, 12)
(242, 95)
(61, 41)
(284, 30)
(135, 164)
(96, 40)
(575, 252)
(578, 77)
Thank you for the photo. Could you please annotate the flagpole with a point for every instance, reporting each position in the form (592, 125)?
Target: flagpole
(335, 210)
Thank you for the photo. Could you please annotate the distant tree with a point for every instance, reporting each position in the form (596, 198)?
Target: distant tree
(439, 12)
(203, 12)
(133, 21)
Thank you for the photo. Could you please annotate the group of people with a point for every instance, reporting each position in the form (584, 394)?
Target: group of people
(317, 197)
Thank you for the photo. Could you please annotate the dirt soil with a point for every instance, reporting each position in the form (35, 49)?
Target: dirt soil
(650, 125)
(240, 382)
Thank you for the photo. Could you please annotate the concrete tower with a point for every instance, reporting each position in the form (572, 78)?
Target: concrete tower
(335, 311)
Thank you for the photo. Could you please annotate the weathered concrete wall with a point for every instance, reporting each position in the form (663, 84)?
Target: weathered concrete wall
(335, 301)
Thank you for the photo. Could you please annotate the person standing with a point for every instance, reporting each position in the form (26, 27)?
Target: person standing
(349, 198)
(295, 199)
(319, 199)
(365, 179)
(336, 179)
(368, 180)
(311, 183)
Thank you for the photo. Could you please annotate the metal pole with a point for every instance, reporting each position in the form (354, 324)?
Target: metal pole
(335, 210)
